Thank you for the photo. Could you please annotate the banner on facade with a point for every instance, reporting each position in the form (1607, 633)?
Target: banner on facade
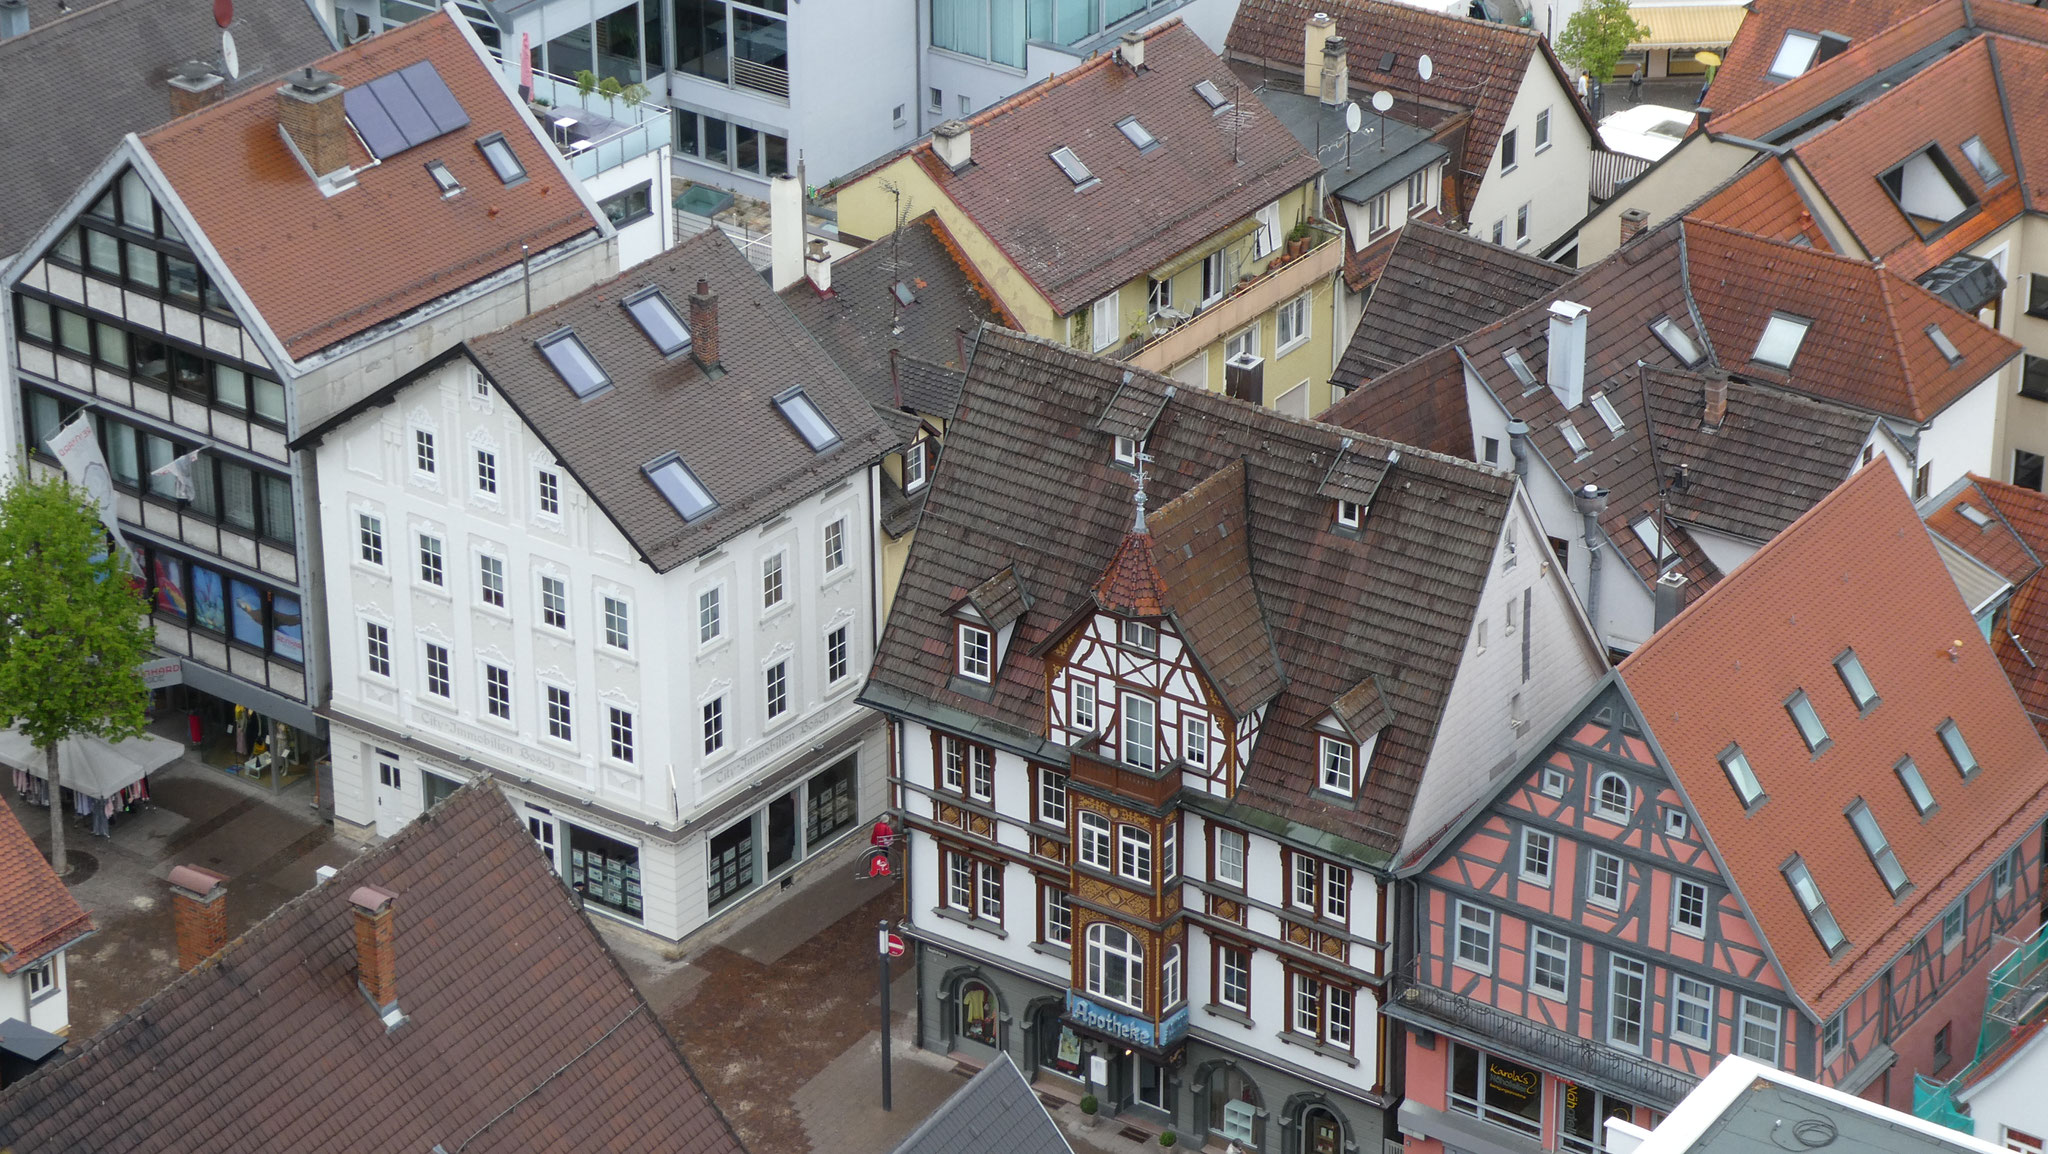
(77, 447)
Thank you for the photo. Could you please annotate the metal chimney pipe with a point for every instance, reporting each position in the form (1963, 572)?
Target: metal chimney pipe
(1670, 596)
(1591, 502)
(1518, 442)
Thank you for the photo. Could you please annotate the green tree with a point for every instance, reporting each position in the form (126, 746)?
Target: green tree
(73, 629)
(1598, 35)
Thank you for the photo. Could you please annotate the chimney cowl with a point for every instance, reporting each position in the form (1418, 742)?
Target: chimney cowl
(953, 141)
(194, 86)
(312, 81)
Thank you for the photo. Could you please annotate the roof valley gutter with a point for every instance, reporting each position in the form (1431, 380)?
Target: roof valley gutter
(2019, 164)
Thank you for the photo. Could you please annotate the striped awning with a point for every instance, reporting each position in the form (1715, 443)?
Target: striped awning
(1687, 25)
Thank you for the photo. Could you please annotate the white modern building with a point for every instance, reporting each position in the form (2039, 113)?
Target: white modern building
(622, 556)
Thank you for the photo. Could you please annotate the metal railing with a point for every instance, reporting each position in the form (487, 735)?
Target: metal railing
(1559, 1053)
(643, 128)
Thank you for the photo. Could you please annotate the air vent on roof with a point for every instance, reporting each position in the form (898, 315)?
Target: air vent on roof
(443, 179)
(680, 486)
(1974, 515)
(1072, 166)
(403, 109)
(651, 310)
(811, 425)
(1520, 368)
(503, 160)
(1387, 60)
(1782, 337)
(1136, 133)
(1211, 95)
(573, 363)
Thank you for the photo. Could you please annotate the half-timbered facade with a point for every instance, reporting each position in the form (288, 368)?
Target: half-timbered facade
(1801, 852)
(1171, 694)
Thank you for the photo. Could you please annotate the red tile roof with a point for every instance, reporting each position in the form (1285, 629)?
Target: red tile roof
(1857, 571)
(2015, 547)
(522, 1032)
(1762, 200)
(323, 268)
(1997, 542)
(38, 915)
(1131, 585)
(1743, 80)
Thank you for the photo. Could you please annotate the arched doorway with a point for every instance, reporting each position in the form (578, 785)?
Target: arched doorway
(1229, 1107)
(976, 1017)
(1322, 1132)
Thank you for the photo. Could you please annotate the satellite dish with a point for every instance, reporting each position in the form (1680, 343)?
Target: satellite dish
(1426, 67)
(1353, 117)
(228, 57)
(1382, 101)
(223, 12)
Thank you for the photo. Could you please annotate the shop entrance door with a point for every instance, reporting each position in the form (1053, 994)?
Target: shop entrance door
(1321, 1133)
(781, 831)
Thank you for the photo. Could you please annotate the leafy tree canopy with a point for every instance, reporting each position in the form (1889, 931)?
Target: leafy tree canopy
(1598, 35)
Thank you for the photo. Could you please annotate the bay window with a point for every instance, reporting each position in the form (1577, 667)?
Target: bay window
(1116, 966)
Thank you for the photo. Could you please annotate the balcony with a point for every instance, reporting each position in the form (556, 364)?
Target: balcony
(1566, 1055)
(603, 132)
(1246, 301)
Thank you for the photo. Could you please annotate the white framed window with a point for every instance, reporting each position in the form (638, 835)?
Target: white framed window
(1612, 797)
(1507, 151)
(1124, 450)
(1539, 852)
(1762, 1027)
(1095, 841)
(2001, 874)
(490, 580)
(1475, 937)
(1603, 881)
(1052, 797)
(554, 602)
(1339, 1005)
(1230, 853)
(1418, 191)
(1336, 891)
(1553, 782)
(1103, 323)
(1350, 514)
(772, 591)
(710, 615)
(1550, 962)
(1059, 917)
(1115, 966)
(1269, 231)
(618, 623)
(548, 486)
(775, 689)
(440, 676)
(835, 546)
(561, 714)
(1307, 880)
(981, 772)
(1676, 823)
(959, 882)
(1692, 1010)
(1171, 989)
(1140, 730)
(498, 692)
(989, 893)
(1338, 762)
(1795, 55)
(377, 648)
(1215, 278)
(1291, 321)
(838, 662)
(1308, 1006)
(423, 451)
(1243, 343)
(953, 764)
(1134, 853)
(1376, 213)
(1952, 927)
(1081, 706)
(974, 653)
(1197, 735)
(914, 466)
(1689, 907)
(432, 568)
(1522, 224)
(620, 726)
(370, 538)
(42, 980)
(714, 725)
(1543, 130)
(486, 471)
(1627, 983)
(1234, 983)
(1140, 635)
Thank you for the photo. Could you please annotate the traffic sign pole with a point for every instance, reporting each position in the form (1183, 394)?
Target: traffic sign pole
(882, 943)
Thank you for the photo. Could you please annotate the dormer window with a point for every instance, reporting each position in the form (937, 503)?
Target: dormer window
(914, 466)
(1783, 334)
(976, 647)
(1339, 762)
(1126, 451)
(1928, 190)
(1139, 635)
(1795, 55)
(1350, 514)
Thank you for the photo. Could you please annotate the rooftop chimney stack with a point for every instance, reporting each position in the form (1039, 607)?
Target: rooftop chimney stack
(1518, 443)
(193, 86)
(1320, 29)
(311, 116)
(953, 142)
(377, 951)
(1133, 50)
(13, 18)
(1670, 596)
(1336, 86)
(704, 327)
(1568, 352)
(199, 914)
(818, 264)
(1633, 222)
(1715, 410)
(785, 231)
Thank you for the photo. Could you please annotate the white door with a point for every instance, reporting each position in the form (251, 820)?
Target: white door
(392, 810)
(541, 824)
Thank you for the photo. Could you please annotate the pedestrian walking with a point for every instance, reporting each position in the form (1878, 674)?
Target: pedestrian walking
(1635, 85)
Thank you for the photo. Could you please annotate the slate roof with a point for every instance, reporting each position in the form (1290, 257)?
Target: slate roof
(1209, 172)
(323, 268)
(82, 81)
(1437, 286)
(522, 1032)
(1024, 483)
(994, 1113)
(1478, 64)
(2014, 546)
(857, 321)
(1857, 571)
(38, 916)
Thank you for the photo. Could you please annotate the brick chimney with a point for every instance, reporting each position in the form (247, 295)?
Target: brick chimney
(199, 914)
(311, 115)
(1715, 410)
(1320, 29)
(377, 950)
(1633, 222)
(953, 141)
(704, 326)
(194, 86)
(1336, 79)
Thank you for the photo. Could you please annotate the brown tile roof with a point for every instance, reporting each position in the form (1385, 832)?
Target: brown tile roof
(1130, 584)
(37, 914)
(322, 268)
(1857, 571)
(2022, 641)
(862, 324)
(522, 1032)
(1744, 75)
(1022, 484)
(1208, 173)
(1437, 286)
(1203, 551)
(1478, 64)
(1762, 200)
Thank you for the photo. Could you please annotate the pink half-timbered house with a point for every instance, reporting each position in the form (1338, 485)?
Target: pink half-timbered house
(1793, 826)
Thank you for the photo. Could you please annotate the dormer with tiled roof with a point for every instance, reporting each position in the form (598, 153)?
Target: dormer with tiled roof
(2004, 530)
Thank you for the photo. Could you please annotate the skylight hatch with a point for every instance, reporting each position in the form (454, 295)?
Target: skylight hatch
(1072, 166)
(1211, 95)
(675, 481)
(1677, 340)
(1783, 335)
(810, 424)
(1136, 133)
(573, 363)
(1943, 345)
(651, 310)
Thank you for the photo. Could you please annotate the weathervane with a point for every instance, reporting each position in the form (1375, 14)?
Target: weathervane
(1138, 498)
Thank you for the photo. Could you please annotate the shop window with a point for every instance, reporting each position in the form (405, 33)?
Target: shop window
(732, 862)
(829, 803)
(977, 1009)
(1496, 1089)
(1583, 1117)
(1233, 1106)
(605, 871)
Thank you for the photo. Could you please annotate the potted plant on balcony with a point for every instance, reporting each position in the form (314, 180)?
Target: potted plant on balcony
(586, 82)
(1298, 240)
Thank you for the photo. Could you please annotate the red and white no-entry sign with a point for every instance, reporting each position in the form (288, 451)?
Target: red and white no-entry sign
(890, 945)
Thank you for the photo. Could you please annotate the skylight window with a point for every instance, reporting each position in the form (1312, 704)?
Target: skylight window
(1928, 190)
(443, 179)
(1974, 515)
(573, 363)
(1861, 691)
(1136, 133)
(1808, 894)
(1574, 438)
(1520, 368)
(1211, 95)
(1980, 158)
(1916, 786)
(651, 310)
(680, 486)
(1877, 847)
(1958, 749)
(811, 424)
(1811, 731)
(1795, 55)
(904, 296)
(1735, 764)
(1072, 166)
(1677, 340)
(502, 159)
(1608, 415)
(1646, 531)
(1781, 340)
(1946, 347)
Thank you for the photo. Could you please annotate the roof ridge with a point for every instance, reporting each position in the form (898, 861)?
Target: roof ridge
(1874, 38)
(1095, 62)
(1898, 339)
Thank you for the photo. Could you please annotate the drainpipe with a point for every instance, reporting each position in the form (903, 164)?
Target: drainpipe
(1518, 441)
(1592, 502)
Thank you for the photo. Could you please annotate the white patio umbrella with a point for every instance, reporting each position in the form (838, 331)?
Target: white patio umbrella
(90, 765)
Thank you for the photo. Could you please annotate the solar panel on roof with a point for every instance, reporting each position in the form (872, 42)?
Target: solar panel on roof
(403, 109)
(380, 134)
(446, 112)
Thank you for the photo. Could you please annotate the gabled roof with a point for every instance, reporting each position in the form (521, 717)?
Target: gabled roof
(1762, 200)
(322, 268)
(994, 1113)
(1203, 551)
(1437, 286)
(493, 956)
(1018, 485)
(1478, 64)
(1000, 600)
(112, 62)
(870, 332)
(2014, 546)
(1744, 73)
(38, 915)
(1857, 571)
(1207, 173)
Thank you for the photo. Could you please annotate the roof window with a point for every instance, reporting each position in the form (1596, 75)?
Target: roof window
(1811, 731)
(798, 408)
(1387, 62)
(498, 151)
(1136, 133)
(1782, 337)
(1916, 786)
(1677, 340)
(1072, 166)
(1927, 189)
(1646, 531)
(443, 179)
(904, 295)
(651, 310)
(573, 363)
(1795, 55)
(1947, 347)
(1748, 789)
(1808, 894)
(680, 486)
(1211, 95)
(403, 109)
(1980, 158)
(1974, 515)
(1574, 438)
(1520, 368)
(1958, 749)
(1609, 416)
(1877, 847)
(1861, 691)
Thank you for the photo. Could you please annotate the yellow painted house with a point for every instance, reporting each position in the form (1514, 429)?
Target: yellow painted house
(1143, 205)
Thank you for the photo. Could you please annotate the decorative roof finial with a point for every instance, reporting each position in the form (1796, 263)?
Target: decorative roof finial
(1138, 498)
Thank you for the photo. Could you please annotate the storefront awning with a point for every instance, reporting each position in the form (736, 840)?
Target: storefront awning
(90, 765)
(1687, 25)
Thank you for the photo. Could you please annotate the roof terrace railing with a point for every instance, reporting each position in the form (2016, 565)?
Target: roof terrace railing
(609, 132)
